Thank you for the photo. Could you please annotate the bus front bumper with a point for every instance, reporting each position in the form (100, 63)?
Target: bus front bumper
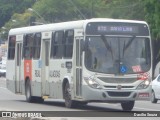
(90, 94)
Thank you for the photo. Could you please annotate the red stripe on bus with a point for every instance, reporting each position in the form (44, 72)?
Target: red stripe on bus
(28, 69)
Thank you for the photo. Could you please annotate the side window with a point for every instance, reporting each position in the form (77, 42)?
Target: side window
(68, 43)
(28, 46)
(11, 47)
(57, 45)
(37, 46)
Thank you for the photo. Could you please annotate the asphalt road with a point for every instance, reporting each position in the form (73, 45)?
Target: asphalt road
(12, 102)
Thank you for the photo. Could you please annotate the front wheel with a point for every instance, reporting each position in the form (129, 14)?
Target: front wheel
(69, 103)
(153, 98)
(127, 106)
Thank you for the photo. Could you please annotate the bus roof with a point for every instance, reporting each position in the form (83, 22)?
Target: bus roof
(66, 25)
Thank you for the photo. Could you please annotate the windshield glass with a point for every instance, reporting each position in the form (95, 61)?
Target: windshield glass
(117, 55)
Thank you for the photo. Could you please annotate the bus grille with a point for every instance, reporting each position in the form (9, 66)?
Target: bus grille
(117, 80)
(125, 87)
(119, 94)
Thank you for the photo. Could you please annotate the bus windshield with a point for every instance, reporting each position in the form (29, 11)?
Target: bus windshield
(117, 55)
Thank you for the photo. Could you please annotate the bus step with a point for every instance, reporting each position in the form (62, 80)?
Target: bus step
(45, 97)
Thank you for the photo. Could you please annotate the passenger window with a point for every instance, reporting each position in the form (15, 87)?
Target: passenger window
(37, 46)
(68, 43)
(28, 46)
(11, 47)
(57, 45)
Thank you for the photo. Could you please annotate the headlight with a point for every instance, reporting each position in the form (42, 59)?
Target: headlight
(92, 83)
(144, 84)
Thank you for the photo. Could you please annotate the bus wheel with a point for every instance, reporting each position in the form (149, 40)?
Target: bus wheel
(29, 97)
(127, 106)
(153, 98)
(67, 96)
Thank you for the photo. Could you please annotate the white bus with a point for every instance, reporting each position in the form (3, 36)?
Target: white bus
(95, 60)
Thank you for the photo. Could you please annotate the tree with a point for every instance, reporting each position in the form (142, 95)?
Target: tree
(64, 10)
(152, 10)
(9, 7)
(124, 9)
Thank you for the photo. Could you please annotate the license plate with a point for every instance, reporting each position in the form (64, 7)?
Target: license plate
(141, 95)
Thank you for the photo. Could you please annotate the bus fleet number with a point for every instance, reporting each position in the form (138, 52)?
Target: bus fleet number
(55, 73)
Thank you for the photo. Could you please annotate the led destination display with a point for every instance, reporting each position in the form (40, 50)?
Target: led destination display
(110, 28)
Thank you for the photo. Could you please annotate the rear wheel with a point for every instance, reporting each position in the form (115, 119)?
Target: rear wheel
(153, 98)
(69, 103)
(29, 96)
(127, 106)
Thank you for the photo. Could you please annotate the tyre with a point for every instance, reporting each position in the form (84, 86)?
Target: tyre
(127, 106)
(153, 98)
(69, 103)
(29, 97)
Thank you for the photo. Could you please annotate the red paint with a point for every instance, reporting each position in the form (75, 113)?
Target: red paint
(28, 69)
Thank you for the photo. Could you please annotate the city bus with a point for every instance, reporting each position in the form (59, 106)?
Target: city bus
(92, 60)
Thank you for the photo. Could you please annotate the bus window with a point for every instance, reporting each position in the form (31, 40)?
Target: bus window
(28, 46)
(37, 46)
(11, 48)
(57, 45)
(68, 43)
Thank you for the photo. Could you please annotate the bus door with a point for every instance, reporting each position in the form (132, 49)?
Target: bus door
(45, 66)
(78, 68)
(18, 70)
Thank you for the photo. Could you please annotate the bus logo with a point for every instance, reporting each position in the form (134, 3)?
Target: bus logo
(119, 87)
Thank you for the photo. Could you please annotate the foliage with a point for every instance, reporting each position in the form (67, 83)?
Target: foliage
(9, 7)
(17, 20)
(123, 9)
(64, 10)
(152, 10)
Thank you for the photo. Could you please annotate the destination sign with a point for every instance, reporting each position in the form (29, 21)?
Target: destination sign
(116, 28)
(127, 29)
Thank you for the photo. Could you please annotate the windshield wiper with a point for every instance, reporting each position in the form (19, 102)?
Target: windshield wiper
(109, 48)
(128, 44)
